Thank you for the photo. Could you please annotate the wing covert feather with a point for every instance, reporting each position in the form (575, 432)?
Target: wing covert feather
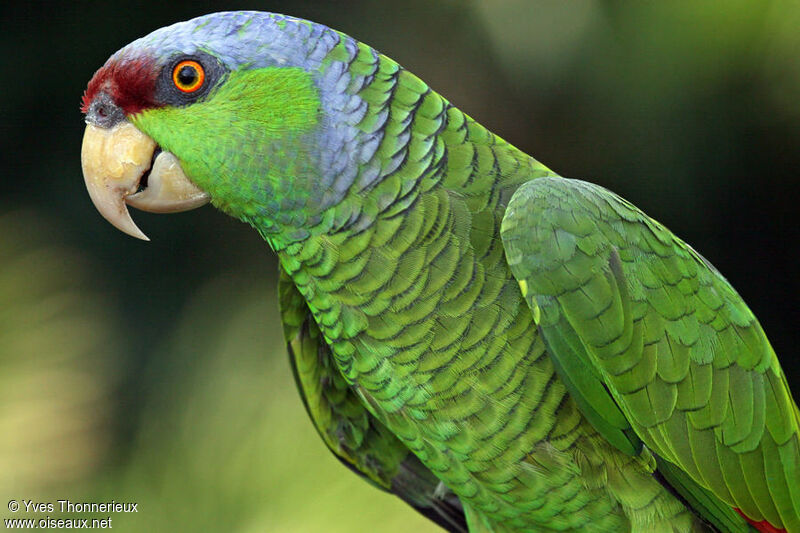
(675, 345)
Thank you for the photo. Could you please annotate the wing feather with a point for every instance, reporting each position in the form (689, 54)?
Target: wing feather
(677, 349)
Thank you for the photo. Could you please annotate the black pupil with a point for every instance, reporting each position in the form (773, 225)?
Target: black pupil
(187, 75)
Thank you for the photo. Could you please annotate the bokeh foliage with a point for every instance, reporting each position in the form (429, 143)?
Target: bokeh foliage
(154, 372)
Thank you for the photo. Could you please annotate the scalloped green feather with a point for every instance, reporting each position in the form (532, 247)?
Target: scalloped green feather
(355, 436)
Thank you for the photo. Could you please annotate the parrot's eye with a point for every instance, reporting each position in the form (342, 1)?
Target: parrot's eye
(188, 76)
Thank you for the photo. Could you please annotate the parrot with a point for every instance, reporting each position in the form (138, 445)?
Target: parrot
(503, 348)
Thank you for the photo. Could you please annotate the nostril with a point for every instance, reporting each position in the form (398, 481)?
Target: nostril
(104, 111)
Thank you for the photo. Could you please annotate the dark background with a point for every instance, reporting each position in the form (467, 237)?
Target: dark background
(688, 110)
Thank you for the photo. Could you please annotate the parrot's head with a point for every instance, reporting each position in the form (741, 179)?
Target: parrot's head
(251, 111)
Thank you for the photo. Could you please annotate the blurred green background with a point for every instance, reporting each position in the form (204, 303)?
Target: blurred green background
(155, 372)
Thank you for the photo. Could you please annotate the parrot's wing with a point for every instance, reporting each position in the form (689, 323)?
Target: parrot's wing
(354, 436)
(640, 325)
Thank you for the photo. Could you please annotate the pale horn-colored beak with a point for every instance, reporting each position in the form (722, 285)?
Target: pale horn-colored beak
(115, 159)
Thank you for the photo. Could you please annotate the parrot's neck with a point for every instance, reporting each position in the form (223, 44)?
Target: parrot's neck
(377, 164)
(398, 240)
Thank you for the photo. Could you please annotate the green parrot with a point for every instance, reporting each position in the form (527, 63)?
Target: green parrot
(502, 348)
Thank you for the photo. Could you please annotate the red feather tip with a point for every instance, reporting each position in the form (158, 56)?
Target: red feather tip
(130, 83)
(763, 526)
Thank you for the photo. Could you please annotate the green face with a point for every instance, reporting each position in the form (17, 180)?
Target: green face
(250, 144)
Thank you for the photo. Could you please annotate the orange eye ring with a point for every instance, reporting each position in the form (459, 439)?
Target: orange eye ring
(188, 76)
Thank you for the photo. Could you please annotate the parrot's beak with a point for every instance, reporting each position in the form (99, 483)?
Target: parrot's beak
(121, 160)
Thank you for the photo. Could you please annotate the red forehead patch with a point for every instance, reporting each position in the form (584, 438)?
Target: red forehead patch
(130, 83)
